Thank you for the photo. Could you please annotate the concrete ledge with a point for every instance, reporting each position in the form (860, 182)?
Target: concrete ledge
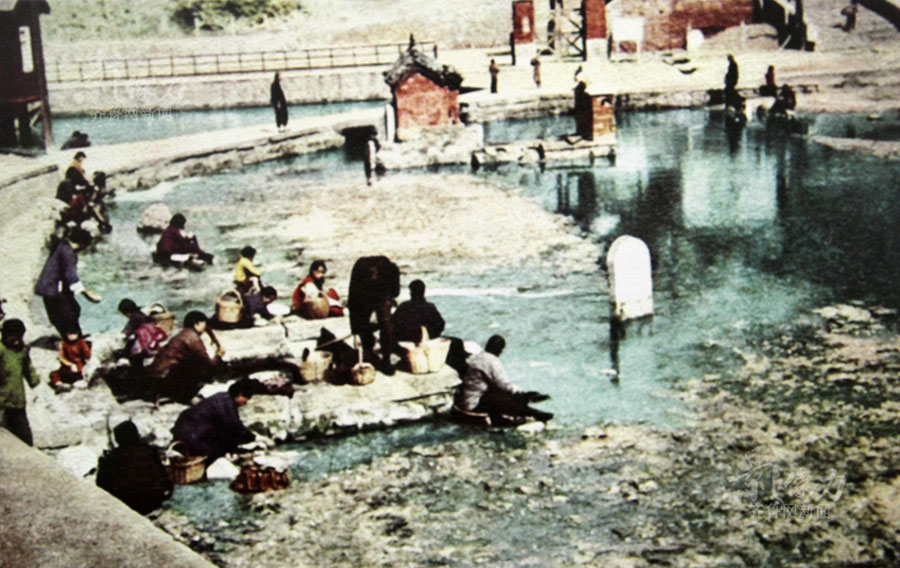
(50, 519)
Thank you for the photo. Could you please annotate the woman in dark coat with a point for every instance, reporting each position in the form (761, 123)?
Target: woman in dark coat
(133, 472)
(279, 103)
(213, 427)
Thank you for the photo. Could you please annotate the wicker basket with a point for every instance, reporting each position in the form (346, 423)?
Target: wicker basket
(363, 374)
(183, 470)
(428, 356)
(316, 308)
(315, 365)
(162, 317)
(229, 306)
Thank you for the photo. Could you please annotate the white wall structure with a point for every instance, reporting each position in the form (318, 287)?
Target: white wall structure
(630, 278)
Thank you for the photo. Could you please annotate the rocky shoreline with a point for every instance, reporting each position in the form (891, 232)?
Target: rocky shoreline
(793, 460)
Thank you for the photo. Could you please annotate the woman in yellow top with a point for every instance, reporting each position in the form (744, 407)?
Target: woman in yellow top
(245, 272)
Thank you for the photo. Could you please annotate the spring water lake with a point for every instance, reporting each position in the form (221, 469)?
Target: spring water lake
(746, 230)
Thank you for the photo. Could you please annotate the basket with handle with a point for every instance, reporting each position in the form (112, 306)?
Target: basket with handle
(361, 373)
(229, 306)
(314, 365)
(162, 317)
(182, 469)
(427, 356)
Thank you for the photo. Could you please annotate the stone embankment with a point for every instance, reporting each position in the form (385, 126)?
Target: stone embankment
(52, 519)
(81, 420)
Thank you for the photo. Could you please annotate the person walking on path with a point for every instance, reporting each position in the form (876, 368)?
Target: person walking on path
(731, 76)
(279, 103)
(849, 13)
(494, 70)
(15, 368)
(59, 282)
(536, 64)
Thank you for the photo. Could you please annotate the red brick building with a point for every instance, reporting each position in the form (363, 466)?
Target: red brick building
(523, 21)
(23, 85)
(594, 115)
(666, 22)
(424, 92)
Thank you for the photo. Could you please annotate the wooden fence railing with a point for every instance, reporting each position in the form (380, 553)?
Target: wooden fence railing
(223, 63)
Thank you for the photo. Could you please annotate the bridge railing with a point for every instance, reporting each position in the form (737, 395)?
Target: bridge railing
(224, 63)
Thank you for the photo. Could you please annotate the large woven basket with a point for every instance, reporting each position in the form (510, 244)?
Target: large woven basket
(183, 470)
(428, 356)
(229, 306)
(314, 367)
(162, 317)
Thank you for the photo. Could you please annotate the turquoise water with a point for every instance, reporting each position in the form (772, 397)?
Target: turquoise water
(745, 231)
(153, 125)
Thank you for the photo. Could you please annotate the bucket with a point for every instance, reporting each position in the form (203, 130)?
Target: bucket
(229, 306)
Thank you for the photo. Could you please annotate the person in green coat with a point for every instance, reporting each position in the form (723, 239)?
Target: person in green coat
(15, 368)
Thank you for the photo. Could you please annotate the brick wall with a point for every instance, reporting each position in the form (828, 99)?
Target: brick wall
(595, 19)
(420, 102)
(593, 115)
(666, 21)
(523, 21)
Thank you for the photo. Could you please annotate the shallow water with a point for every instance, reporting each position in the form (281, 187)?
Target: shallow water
(744, 231)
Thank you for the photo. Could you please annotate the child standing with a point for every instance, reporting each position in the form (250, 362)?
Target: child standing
(245, 272)
(74, 352)
(15, 369)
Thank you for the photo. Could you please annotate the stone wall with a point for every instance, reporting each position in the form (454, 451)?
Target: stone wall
(212, 92)
(666, 21)
(51, 519)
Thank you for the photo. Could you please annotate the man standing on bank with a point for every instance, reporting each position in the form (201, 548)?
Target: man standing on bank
(494, 70)
(279, 103)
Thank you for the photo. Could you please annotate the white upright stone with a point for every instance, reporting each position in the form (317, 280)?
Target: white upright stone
(630, 278)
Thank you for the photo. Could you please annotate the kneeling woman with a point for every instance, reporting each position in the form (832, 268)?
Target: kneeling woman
(311, 301)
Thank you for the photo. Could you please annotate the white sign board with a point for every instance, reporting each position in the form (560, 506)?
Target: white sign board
(25, 43)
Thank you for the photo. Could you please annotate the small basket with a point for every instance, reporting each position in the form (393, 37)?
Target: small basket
(162, 317)
(362, 373)
(315, 365)
(229, 306)
(183, 470)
